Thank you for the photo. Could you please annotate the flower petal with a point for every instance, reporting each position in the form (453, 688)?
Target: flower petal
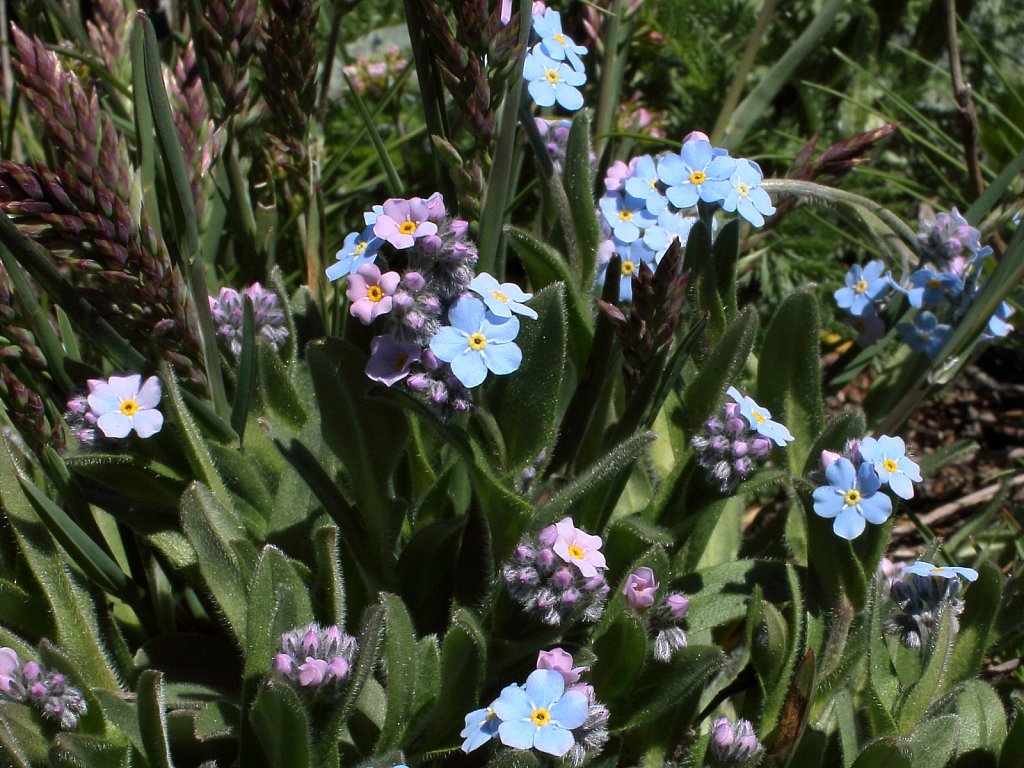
(147, 422)
(502, 359)
(570, 711)
(544, 687)
(125, 387)
(849, 524)
(149, 395)
(448, 343)
(467, 314)
(517, 734)
(114, 424)
(553, 739)
(103, 399)
(876, 509)
(469, 368)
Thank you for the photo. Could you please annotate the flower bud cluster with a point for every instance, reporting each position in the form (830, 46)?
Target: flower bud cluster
(30, 683)
(733, 745)
(923, 594)
(316, 659)
(663, 622)
(730, 449)
(228, 311)
(556, 576)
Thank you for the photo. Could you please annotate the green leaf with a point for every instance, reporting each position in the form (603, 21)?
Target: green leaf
(515, 758)
(73, 613)
(578, 179)
(932, 681)
(982, 721)
(210, 530)
(73, 750)
(400, 658)
(796, 710)
(621, 651)
(193, 442)
(719, 595)
(726, 253)
(1012, 753)
(282, 726)
(589, 484)
(367, 434)
(330, 576)
(884, 753)
(278, 601)
(526, 405)
(722, 368)
(152, 709)
(981, 610)
(663, 685)
(934, 740)
(788, 373)
(246, 372)
(145, 135)
(100, 567)
(546, 266)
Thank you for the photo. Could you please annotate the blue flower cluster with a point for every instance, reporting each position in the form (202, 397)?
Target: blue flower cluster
(553, 69)
(447, 326)
(553, 713)
(942, 288)
(852, 496)
(652, 201)
(923, 593)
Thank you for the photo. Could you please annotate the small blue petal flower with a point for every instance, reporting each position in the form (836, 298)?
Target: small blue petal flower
(864, 285)
(928, 288)
(502, 298)
(686, 175)
(627, 216)
(742, 193)
(644, 185)
(888, 456)
(926, 334)
(358, 248)
(551, 81)
(921, 568)
(631, 255)
(540, 715)
(759, 418)
(671, 225)
(997, 326)
(477, 341)
(852, 498)
(481, 727)
(555, 43)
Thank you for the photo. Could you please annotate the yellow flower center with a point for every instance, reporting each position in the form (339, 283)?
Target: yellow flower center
(358, 250)
(742, 188)
(938, 569)
(374, 293)
(759, 418)
(500, 296)
(552, 76)
(934, 283)
(890, 465)
(560, 38)
(540, 717)
(852, 497)
(407, 227)
(628, 268)
(129, 407)
(400, 362)
(625, 215)
(698, 177)
(861, 286)
(477, 341)
(654, 183)
(575, 551)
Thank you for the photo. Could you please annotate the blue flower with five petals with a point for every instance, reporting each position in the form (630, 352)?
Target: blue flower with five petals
(851, 498)
(926, 334)
(888, 456)
(928, 288)
(541, 714)
(687, 174)
(358, 248)
(555, 43)
(626, 215)
(477, 341)
(759, 418)
(644, 185)
(863, 286)
(742, 193)
(551, 81)
(502, 298)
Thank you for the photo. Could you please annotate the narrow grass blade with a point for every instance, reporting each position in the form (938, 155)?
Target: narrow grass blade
(246, 372)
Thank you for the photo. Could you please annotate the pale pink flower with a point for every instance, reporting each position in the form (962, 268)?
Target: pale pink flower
(371, 292)
(640, 588)
(121, 405)
(578, 548)
(402, 222)
(560, 661)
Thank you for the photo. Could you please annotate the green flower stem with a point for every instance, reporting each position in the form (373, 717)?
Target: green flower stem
(732, 98)
(614, 64)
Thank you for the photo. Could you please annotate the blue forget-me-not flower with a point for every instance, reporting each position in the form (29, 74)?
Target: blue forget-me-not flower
(742, 193)
(921, 568)
(541, 714)
(687, 174)
(760, 418)
(477, 341)
(863, 286)
(851, 498)
(358, 248)
(926, 334)
(888, 456)
(551, 81)
(502, 298)
(554, 42)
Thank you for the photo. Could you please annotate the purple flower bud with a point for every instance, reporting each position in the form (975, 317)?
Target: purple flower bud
(828, 457)
(853, 451)
(430, 304)
(459, 228)
(695, 136)
(283, 664)
(677, 605)
(560, 661)
(548, 536)
(712, 426)
(429, 360)
(545, 558)
(721, 733)
(402, 300)
(563, 578)
(312, 672)
(640, 587)
(310, 642)
(37, 692)
(524, 553)
(735, 426)
(570, 597)
(430, 244)
(732, 410)
(760, 447)
(594, 583)
(719, 444)
(742, 467)
(414, 281)
(418, 382)
(739, 449)
(439, 394)
(32, 671)
(337, 668)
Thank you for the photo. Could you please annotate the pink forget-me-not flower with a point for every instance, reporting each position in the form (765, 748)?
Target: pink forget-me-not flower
(578, 547)
(402, 222)
(371, 292)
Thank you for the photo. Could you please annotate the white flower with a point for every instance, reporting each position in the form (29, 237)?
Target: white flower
(120, 405)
